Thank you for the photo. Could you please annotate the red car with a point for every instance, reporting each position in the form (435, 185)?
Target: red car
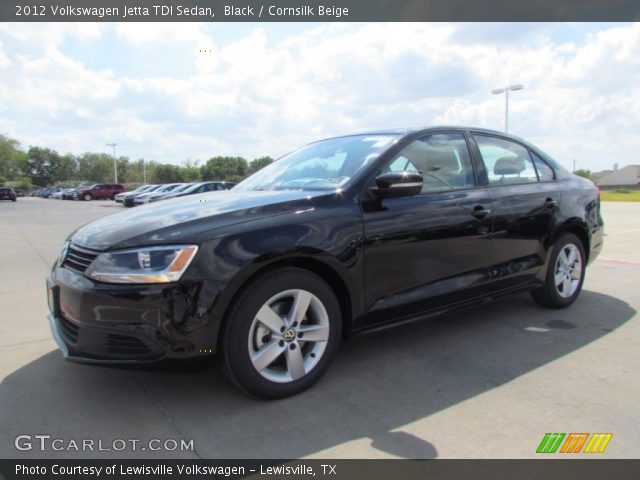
(99, 191)
(8, 194)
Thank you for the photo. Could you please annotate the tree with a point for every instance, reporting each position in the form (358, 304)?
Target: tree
(24, 183)
(191, 171)
(95, 167)
(225, 168)
(64, 167)
(41, 164)
(582, 172)
(259, 163)
(167, 173)
(13, 161)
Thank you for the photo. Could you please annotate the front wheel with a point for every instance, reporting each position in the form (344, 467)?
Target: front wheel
(565, 274)
(281, 333)
(87, 197)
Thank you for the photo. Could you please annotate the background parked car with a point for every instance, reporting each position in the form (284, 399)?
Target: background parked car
(19, 193)
(201, 187)
(129, 199)
(144, 198)
(70, 192)
(121, 196)
(8, 194)
(99, 191)
(162, 195)
(50, 191)
(57, 195)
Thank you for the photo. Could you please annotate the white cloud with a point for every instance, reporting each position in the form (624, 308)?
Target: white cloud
(4, 60)
(257, 95)
(145, 33)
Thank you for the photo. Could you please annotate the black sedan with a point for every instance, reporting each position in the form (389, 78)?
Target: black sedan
(343, 236)
(8, 194)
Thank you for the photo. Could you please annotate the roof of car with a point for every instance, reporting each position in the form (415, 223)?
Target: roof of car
(431, 128)
(409, 130)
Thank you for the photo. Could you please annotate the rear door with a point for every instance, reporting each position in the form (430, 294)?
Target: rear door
(525, 200)
(430, 249)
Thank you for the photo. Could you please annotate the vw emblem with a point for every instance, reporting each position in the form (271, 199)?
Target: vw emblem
(290, 335)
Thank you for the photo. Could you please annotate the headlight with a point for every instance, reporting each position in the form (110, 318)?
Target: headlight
(142, 265)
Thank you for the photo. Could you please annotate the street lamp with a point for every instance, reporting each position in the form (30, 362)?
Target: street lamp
(506, 90)
(115, 165)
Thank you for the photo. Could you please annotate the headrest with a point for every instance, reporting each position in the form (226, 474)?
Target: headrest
(509, 166)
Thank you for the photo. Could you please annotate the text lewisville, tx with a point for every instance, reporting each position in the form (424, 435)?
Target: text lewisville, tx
(299, 469)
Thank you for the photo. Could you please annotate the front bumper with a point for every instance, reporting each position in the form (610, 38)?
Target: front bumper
(128, 324)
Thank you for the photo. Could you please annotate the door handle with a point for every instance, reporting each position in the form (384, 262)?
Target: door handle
(550, 203)
(480, 212)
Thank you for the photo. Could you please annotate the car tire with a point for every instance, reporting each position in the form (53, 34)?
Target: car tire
(265, 347)
(87, 197)
(565, 274)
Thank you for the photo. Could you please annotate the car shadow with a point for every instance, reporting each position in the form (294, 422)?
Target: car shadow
(379, 383)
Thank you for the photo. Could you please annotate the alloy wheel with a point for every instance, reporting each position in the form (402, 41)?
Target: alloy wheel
(568, 270)
(288, 336)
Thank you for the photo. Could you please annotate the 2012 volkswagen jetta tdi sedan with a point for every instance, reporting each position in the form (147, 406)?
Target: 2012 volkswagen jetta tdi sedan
(342, 236)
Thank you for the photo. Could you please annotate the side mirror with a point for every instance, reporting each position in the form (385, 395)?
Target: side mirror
(397, 184)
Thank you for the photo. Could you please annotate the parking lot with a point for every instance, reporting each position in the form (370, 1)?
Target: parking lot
(481, 383)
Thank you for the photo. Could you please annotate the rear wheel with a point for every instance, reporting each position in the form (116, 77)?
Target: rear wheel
(281, 333)
(565, 274)
(87, 197)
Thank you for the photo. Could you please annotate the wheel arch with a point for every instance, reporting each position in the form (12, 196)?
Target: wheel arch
(314, 265)
(578, 228)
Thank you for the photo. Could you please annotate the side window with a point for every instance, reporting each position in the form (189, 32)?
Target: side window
(506, 162)
(442, 159)
(545, 172)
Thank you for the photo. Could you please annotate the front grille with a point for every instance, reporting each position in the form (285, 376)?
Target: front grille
(68, 330)
(126, 345)
(78, 259)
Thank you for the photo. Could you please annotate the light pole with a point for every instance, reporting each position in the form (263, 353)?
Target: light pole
(115, 165)
(506, 90)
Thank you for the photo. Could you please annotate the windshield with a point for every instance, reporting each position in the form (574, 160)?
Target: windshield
(325, 165)
(182, 188)
(167, 187)
(193, 187)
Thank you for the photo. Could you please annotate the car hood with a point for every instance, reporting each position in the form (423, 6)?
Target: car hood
(177, 219)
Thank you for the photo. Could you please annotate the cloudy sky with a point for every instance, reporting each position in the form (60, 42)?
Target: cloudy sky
(173, 92)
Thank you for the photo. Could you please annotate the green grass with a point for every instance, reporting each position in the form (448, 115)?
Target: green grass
(620, 195)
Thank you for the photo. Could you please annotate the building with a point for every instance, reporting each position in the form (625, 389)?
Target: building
(628, 176)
